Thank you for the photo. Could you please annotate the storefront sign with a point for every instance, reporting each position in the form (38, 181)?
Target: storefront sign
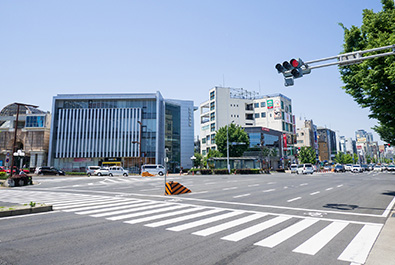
(270, 104)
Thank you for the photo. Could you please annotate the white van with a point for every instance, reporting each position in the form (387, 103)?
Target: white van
(305, 169)
(294, 168)
(117, 171)
(153, 169)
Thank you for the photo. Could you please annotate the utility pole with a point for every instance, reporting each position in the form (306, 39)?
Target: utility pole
(296, 68)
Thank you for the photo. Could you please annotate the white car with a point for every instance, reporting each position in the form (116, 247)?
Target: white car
(356, 169)
(305, 169)
(97, 171)
(348, 167)
(117, 171)
(154, 169)
(294, 168)
(377, 168)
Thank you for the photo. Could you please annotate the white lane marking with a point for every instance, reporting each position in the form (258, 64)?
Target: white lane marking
(231, 188)
(319, 240)
(357, 251)
(222, 227)
(164, 209)
(304, 184)
(388, 209)
(253, 185)
(329, 188)
(210, 183)
(103, 205)
(232, 181)
(183, 218)
(119, 206)
(255, 229)
(271, 183)
(339, 186)
(200, 192)
(269, 190)
(131, 208)
(286, 233)
(314, 193)
(93, 203)
(242, 195)
(285, 187)
(204, 221)
(294, 199)
(150, 189)
(159, 216)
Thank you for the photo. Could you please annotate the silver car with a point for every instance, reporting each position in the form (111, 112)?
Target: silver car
(97, 171)
(117, 171)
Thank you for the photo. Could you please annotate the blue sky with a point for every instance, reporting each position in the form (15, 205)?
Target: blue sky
(180, 48)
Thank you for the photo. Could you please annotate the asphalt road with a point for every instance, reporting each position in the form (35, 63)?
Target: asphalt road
(324, 218)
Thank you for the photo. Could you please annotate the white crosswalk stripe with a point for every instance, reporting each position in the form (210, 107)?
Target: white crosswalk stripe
(181, 217)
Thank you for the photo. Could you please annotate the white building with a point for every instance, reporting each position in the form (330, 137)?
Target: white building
(246, 109)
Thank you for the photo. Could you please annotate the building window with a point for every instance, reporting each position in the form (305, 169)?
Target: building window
(212, 106)
(249, 107)
(283, 126)
(35, 121)
(212, 116)
(263, 104)
(204, 140)
(212, 127)
(263, 114)
(213, 139)
(283, 115)
(208, 138)
(290, 109)
(212, 95)
(256, 105)
(204, 152)
(256, 115)
(249, 116)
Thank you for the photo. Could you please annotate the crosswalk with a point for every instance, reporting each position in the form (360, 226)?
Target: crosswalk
(227, 224)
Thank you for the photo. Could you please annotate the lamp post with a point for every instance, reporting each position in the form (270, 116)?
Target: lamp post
(139, 143)
(15, 133)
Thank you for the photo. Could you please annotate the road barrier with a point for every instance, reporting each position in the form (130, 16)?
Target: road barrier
(175, 188)
(146, 174)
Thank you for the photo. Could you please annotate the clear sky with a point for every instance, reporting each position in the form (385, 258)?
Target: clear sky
(180, 48)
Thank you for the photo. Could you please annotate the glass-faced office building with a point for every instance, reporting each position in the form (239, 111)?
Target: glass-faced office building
(120, 129)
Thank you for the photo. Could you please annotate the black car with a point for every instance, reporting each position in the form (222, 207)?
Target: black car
(339, 168)
(50, 171)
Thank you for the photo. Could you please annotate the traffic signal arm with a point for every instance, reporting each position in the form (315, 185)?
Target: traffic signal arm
(297, 68)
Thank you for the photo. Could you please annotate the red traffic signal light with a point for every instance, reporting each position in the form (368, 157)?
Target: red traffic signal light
(295, 63)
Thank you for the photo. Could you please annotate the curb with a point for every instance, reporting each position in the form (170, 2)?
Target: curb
(25, 210)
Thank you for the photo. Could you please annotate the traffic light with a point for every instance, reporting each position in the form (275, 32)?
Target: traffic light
(295, 68)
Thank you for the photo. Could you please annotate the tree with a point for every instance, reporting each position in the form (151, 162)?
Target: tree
(339, 158)
(347, 159)
(371, 83)
(307, 155)
(238, 140)
(198, 162)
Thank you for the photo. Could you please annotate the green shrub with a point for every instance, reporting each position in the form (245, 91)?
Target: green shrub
(3, 175)
(247, 171)
(221, 171)
(75, 173)
(206, 171)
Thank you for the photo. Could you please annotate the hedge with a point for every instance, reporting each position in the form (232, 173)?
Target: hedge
(247, 171)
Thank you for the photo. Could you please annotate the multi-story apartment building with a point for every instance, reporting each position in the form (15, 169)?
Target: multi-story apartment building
(247, 109)
(326, 144)
(32, 134)
(121, 129)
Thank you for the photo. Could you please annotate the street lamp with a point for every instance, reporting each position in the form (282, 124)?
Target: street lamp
(15, 133)
(139, 143)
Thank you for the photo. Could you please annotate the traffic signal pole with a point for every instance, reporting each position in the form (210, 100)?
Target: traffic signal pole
(296, 68)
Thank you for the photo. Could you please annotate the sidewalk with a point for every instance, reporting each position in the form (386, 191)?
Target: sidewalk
(383, 251)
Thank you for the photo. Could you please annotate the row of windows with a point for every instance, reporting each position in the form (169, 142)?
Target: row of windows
(287, 127)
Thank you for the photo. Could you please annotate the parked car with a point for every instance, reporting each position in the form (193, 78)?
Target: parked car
(50, 171)
(97, 171)
(339, 168)
(294, 168)
(117, 171)
(377, 168)
(391, 168)
(356, 168)
(348, 167)
(2, 169)
(305, 169)
(364, 167)
(15, 170)
(154, 169)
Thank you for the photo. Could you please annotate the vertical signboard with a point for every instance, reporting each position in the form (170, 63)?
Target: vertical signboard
(270, 104)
